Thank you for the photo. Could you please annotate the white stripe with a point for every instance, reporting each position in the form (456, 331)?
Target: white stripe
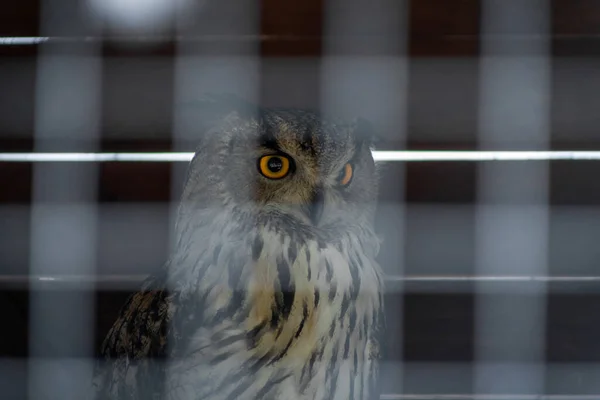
(22, 40)
(484, 155)
(381, 156)
(95, 157)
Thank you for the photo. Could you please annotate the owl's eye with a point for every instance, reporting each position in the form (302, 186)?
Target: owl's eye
(346, 175)
(274, 166)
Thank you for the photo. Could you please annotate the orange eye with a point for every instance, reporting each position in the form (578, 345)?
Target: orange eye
(346, 175)
(274, 166)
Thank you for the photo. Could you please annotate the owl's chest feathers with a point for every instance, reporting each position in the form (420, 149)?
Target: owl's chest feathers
(292, 300)
(293, 316)
(309, 293)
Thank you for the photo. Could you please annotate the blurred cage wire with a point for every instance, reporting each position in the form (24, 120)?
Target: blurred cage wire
(512, 215)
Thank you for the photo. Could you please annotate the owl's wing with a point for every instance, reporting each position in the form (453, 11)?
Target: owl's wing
(133, 349)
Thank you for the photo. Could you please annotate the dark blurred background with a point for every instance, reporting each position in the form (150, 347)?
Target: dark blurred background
(418, 69)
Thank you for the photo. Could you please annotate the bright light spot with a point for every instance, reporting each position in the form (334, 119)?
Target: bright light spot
(136, 16)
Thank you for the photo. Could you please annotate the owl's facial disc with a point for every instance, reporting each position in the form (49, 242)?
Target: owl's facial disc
(310, 178)
(301, 188)
(288, 166)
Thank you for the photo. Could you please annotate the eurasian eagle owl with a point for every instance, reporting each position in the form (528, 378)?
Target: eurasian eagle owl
(272, 290)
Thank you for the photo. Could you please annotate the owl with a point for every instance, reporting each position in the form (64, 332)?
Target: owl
(271, 290)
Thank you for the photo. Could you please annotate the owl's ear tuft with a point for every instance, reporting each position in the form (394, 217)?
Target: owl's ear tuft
(366, 132)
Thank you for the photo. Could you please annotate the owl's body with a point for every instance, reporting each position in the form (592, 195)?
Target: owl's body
(267, 295)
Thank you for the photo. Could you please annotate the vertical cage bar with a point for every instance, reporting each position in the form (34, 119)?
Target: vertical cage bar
(211, 67)
(208, 67)
(364, 74)
(63, 211)
(512, 212)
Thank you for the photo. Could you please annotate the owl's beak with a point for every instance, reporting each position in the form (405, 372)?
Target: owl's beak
(316, 206)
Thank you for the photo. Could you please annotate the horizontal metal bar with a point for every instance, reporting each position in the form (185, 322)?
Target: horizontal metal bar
(489, 397)
(430, 278)
(97, 157)
(484, 155)
(422, 285)
(499, 278)
(34, 40)
(22, 40)
(73, 278)
(380, 156)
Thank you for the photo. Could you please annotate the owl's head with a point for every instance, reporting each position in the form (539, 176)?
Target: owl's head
(285, 165)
